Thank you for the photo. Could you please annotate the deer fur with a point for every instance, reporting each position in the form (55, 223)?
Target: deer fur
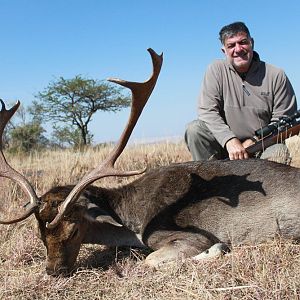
(193, 209)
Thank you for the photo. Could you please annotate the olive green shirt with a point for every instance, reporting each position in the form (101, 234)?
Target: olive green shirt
(234, 107)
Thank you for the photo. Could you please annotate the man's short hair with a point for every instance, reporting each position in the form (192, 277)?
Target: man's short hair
(233, 29)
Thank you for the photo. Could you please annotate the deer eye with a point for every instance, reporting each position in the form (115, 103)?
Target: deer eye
(54, 204)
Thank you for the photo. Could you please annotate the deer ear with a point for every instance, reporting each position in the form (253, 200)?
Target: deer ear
(108, 219)
(95, 214)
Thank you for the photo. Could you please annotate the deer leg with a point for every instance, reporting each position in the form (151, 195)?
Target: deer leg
(177, 250)
(180, 245)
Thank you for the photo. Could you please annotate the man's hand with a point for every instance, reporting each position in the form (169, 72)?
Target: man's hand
(248, 143)
(236, 149)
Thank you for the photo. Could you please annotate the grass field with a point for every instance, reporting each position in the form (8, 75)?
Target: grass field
(265, 271)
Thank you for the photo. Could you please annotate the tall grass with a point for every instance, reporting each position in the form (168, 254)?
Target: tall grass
(266, 271)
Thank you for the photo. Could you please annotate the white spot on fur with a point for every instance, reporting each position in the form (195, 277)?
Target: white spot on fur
(213, 251)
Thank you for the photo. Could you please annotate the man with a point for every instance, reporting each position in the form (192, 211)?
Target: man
(238, 96)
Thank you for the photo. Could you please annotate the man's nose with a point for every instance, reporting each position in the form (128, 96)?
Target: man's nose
(238, 48)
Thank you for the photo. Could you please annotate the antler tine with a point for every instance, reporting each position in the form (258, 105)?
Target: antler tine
(141, 92)
(6, 116)
(140, 95)
(7, 171)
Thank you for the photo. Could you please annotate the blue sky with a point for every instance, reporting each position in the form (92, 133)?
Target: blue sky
(42, 40)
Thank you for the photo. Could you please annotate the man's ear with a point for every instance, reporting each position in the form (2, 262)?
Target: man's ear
(252, 43)
(223, 50)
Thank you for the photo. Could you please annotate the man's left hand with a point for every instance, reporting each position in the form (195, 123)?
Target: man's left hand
(236, 149)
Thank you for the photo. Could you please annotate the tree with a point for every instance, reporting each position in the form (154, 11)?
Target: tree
(25, 133)
(27, 137)
(74, 101)
(64, 136)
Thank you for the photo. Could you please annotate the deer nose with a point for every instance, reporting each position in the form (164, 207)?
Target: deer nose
(62, 271)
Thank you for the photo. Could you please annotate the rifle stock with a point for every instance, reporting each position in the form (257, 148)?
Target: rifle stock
(272, 139)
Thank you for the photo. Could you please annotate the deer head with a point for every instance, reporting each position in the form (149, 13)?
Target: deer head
(62, 227)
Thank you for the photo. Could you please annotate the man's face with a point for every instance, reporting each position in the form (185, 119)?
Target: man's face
(239, 51)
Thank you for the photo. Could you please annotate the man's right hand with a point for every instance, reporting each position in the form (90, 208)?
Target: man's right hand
(236, 150)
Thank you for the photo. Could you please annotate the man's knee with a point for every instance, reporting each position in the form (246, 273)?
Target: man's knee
(192, 131)
(201, 142)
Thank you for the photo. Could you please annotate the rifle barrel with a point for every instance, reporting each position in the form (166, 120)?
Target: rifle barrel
(274, 138)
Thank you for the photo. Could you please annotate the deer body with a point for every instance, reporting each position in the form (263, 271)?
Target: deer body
(184, 209)
(228, 199)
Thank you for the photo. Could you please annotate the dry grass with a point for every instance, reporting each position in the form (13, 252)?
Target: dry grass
(267, 271)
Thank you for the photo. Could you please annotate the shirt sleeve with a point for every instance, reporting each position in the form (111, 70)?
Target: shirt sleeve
(285, 103)
(211, 105)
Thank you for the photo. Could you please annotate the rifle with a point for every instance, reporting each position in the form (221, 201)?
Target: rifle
(275, 133)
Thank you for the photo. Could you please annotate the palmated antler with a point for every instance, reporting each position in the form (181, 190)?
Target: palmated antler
(140, 94)
(7, 171)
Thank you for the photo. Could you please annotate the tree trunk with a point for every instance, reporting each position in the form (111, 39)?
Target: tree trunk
(84, 134)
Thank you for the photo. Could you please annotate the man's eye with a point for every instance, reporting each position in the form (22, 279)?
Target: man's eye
(244, 42)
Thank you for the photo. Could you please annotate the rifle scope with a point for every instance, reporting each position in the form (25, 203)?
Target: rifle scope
(274, 127)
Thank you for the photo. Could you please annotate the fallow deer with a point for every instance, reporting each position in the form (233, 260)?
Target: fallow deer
(192, 209)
